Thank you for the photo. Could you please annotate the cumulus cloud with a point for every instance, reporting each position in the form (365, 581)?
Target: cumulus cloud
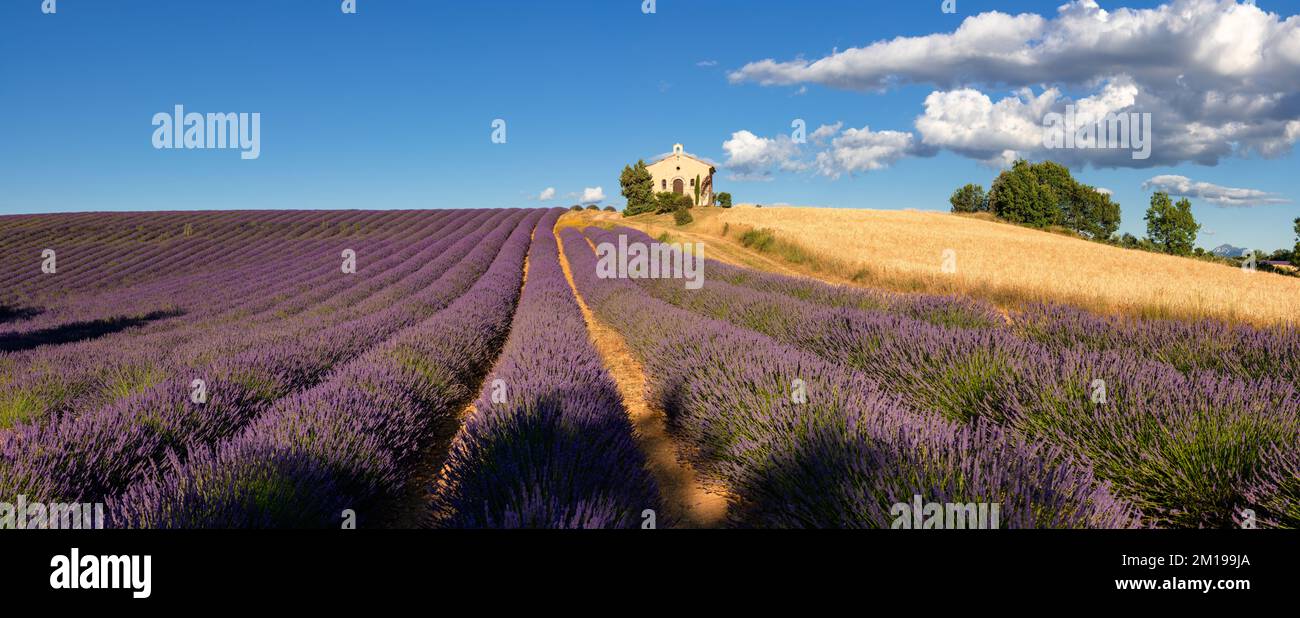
(750, 157)
(840, 151)
(547, 194)
(593, 195)
(1222, 78)
(864, 150)
(1182, 186)
(969, 123)
(825, 132)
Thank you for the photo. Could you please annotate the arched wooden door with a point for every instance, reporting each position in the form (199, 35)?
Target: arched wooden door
(678, 187)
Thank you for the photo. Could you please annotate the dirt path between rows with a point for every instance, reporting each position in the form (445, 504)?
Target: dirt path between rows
(686, 500)
(432, 483)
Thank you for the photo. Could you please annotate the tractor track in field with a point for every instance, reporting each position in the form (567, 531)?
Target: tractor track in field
(433, 481)
(687, 500)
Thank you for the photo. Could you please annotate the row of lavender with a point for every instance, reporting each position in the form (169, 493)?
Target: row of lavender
(801, 441)
(549, 444)
(99, 451)
(265, 457)
(54, 381)
(353, 445)
(257, 265)
(104, 250)
(1196, 447)
(249, 269)
(148, 275)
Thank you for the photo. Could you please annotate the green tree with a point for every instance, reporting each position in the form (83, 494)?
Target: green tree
(1059, 184)
(724, 199)
(638, 188)
(1295, 255)
(1171, 226)
(1018, 197)
(1091, 213)
(697, 190)
(970, 198)
(1043, 194)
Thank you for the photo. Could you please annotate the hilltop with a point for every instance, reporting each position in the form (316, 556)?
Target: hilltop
(1006, 264)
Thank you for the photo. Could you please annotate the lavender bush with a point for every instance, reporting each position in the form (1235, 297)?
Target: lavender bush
(558, 451)
(843, 457)
(1187, 448)
(366, 430)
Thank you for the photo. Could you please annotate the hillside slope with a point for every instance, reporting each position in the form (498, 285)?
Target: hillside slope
(1002, 263)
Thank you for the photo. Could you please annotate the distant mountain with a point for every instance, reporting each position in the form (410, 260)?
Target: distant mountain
(1228, 251)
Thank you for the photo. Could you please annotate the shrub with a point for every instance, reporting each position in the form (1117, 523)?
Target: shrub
(592, 207)
(575, 207)
(662, 203)
(759, 240)
(610, 209)
(682, 216)
(723, 199)
(667, 202)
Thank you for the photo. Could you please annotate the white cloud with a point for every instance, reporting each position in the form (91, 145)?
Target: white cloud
(751, 157)
(593, 195)
(840, 152)
(1216, 40)
(825, 132)
(864, 150)
(707, 63)
(969, 123)
(1222, 78)
(1182, 186)
(990, 42)
(547, 194)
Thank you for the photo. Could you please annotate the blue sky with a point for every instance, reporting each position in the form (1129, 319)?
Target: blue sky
(392, 107)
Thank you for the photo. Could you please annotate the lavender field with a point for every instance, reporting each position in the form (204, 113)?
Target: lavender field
(304, 369)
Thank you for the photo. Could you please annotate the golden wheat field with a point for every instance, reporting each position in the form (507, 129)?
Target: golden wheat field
(1005, 264)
